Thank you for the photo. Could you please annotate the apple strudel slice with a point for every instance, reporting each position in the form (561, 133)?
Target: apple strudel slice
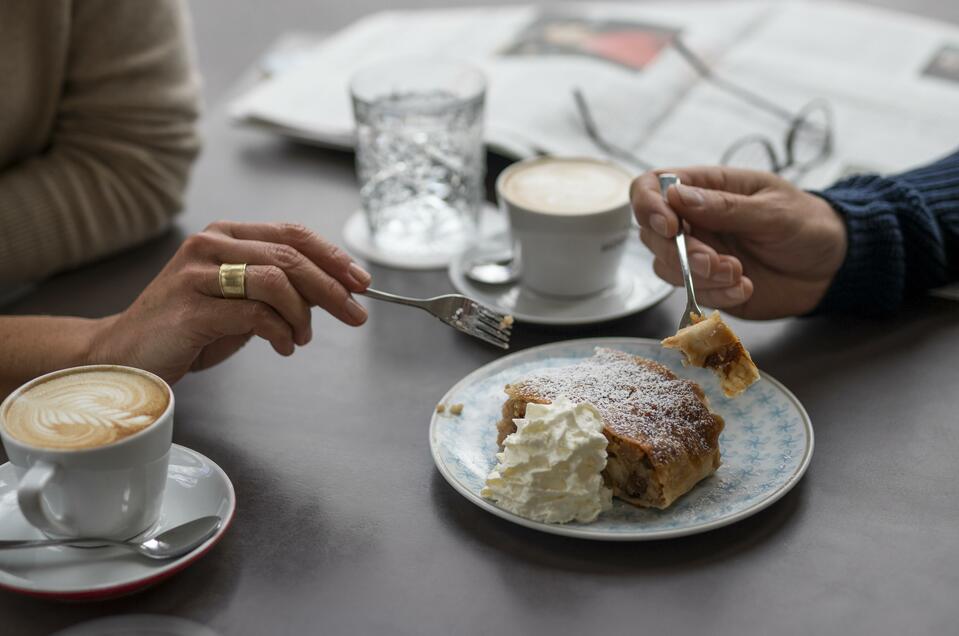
(663, 439)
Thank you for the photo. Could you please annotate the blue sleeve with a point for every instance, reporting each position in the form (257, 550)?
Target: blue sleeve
(903, 233)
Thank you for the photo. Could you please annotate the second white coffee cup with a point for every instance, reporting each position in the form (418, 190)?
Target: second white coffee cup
(569, 220)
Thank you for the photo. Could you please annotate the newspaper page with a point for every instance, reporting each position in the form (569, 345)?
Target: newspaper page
(618, 55)
(891, 81)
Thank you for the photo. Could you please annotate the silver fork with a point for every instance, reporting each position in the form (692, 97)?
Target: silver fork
(459, 312)
(666, 180)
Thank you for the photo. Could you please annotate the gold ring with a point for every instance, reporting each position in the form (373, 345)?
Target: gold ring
(233, 280)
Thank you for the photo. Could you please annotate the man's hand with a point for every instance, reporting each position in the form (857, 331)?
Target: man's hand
(181, 322)
(759, 247)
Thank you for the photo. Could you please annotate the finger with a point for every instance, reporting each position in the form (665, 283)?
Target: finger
(706, 265)
(715, 210)
(732, 180)
(703, 258)
(729, 297)
(268, 284)
(221, 317)
(720, 297)
(313, 283)
(328, 256)
(650, 208)
(711, 197)
(218, 351)
(671, 273)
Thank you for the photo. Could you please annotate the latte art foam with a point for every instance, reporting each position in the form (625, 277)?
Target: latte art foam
(561, 186)
(85, 409)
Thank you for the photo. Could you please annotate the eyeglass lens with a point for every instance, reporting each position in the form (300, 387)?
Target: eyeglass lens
(810, 137)
(754, 153)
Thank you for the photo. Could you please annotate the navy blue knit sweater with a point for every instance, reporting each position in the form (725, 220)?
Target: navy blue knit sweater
(903, 237)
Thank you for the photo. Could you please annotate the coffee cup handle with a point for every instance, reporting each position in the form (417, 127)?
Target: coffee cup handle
(30, 498)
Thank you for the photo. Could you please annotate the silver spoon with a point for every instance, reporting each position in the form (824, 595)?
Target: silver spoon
(167, 545)
(495, 268)
(665, 181)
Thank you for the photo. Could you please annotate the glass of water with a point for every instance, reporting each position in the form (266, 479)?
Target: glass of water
(420, 156)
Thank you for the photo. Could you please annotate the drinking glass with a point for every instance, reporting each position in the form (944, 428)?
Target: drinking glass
(419, 154)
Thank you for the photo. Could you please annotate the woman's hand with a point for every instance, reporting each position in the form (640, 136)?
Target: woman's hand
(759, 247)
(181, 322)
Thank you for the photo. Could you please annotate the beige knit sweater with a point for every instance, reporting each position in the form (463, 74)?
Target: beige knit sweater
(98, 103)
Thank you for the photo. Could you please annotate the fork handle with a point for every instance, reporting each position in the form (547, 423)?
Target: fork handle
(393, 298)
(665, 181)
(687, 275)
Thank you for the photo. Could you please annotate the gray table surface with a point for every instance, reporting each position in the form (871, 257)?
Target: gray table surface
(344, 526)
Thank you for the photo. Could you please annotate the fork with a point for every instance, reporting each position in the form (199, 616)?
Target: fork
(459, 312)
(665, 181)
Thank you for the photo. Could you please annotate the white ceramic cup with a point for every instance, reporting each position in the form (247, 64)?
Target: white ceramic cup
(111, 492)
(568, 250)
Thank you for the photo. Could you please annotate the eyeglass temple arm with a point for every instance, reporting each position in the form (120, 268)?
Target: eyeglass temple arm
(593, 132)
(707, 73)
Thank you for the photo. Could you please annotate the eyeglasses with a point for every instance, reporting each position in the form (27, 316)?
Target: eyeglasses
(808, 138)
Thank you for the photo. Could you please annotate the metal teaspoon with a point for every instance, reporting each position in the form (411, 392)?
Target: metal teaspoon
(168, 545)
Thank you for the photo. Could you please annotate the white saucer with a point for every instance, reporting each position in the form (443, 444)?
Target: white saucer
(196, 487)
(637, 288)
(356, 235)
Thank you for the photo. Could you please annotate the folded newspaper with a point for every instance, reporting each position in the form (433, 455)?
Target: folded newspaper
(891, 79)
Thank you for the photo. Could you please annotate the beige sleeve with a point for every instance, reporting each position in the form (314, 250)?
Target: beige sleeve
(122, 144)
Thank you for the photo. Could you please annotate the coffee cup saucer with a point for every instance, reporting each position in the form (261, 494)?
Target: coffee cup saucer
(196, 487)
(636, 288)
(356, 236)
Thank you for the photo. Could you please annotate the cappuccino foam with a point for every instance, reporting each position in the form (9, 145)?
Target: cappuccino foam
(85, 409)
(567, 186)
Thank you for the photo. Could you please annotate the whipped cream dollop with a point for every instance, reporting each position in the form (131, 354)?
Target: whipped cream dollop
(550, 467)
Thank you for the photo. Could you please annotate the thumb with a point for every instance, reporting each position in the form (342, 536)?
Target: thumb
(715, 210)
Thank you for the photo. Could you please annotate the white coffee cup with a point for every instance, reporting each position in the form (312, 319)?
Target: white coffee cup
(569, 218)
(110, 491)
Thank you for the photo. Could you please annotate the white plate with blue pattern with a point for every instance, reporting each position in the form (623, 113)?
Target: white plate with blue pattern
(766, 446)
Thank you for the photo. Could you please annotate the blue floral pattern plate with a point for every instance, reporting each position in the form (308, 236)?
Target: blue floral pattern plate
(766, 446)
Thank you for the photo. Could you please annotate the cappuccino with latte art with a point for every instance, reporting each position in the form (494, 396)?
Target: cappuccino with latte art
(85, 408)
(90, 447)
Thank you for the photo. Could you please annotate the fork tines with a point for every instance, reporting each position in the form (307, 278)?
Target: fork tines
(489, 326)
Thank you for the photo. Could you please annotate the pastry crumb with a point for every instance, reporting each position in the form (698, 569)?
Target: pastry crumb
(440, 408)
(506, 322)
(456, 409)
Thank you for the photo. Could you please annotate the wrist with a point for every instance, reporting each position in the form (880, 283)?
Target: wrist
(834, 236)
(95, 344)
(31, 346)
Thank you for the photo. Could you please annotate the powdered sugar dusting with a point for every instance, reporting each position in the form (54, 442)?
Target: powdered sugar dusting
(638, 399)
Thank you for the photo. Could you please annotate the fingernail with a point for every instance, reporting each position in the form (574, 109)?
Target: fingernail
(735, 293)
(355, 311)
(700, 264)
(309, 335)
(658, 223)
(359, 274)
(691, 197)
